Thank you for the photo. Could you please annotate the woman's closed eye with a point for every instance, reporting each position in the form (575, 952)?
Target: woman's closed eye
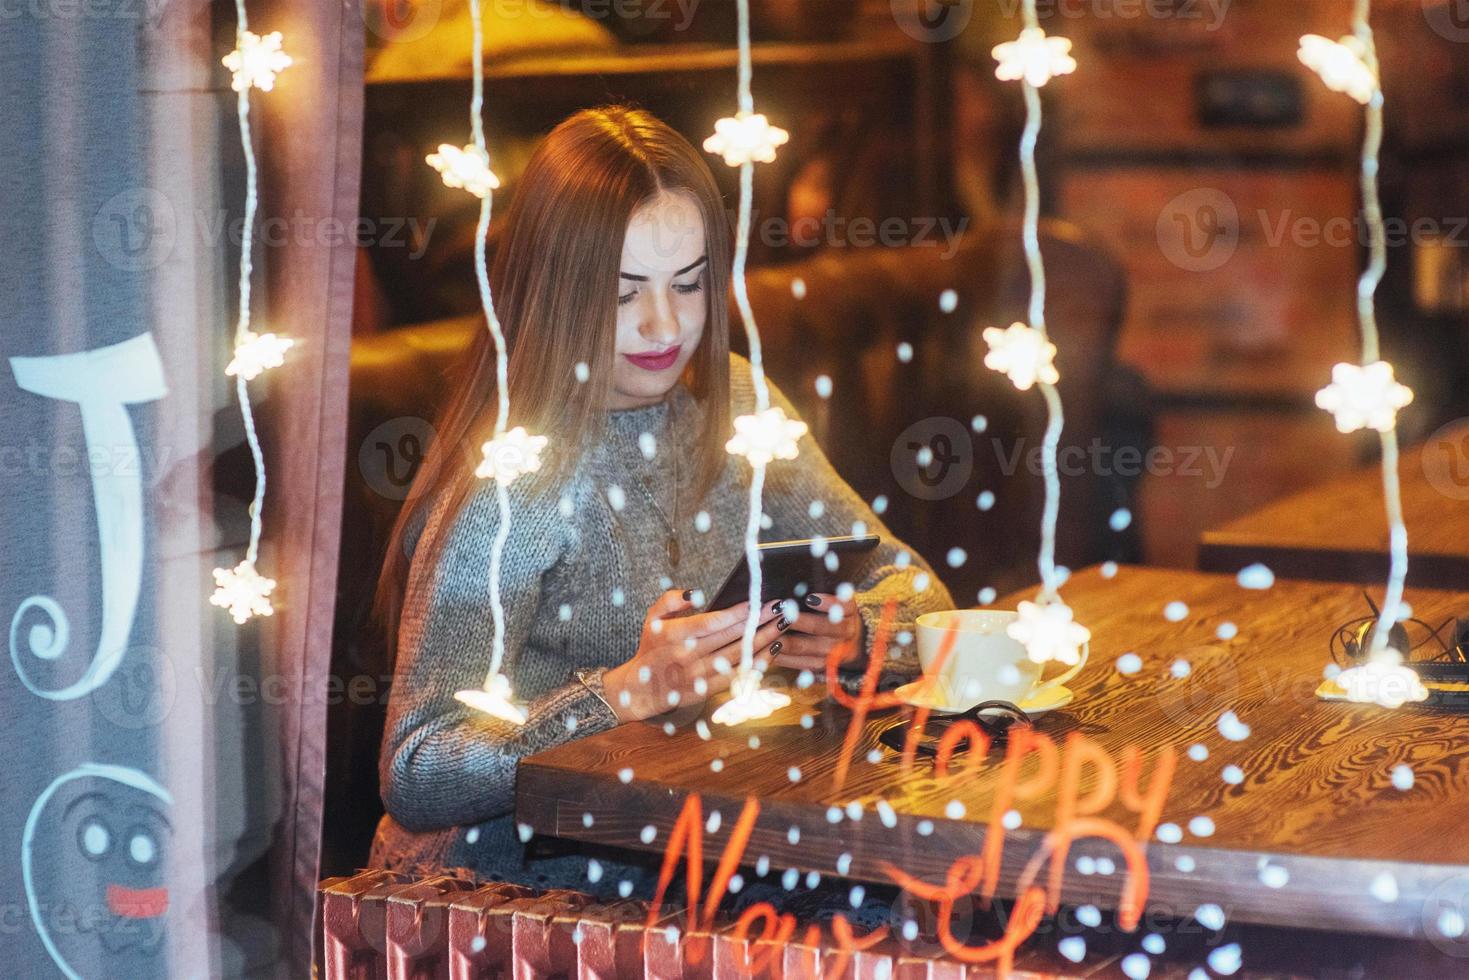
(687, 288)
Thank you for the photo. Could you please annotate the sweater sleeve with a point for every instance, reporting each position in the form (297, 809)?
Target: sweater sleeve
(444, 764)
(807, 498)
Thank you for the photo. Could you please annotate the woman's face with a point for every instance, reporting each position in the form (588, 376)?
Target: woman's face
(662, 301)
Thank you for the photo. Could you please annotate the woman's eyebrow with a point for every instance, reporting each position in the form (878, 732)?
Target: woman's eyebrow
(688, 268)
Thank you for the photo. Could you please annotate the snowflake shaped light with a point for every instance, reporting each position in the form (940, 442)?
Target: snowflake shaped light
(467, 167)
(1342, 65)
(748, 701)
(494, 699)
(256, 61)
(1364, 397)
(257, 353)
(766, 436)
(1383, 681)
(243, 591)
(1049, 632)
(1023, 354)
(1034, 57)
(511, 455)
(746, 138)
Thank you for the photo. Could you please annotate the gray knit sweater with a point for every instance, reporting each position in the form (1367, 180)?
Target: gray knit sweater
(582, 565)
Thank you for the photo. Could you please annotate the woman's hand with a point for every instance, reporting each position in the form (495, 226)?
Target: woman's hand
(822, 623)
(684, 655)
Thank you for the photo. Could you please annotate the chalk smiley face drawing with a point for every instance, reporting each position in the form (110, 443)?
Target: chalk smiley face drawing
(93, 856)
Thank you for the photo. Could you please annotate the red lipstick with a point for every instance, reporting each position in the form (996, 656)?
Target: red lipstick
(656, 362)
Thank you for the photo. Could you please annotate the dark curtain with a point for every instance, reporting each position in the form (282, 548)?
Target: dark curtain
(161, 804)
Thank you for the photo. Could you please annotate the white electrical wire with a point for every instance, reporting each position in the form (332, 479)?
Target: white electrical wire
(1371, 346)
(1055, 416)
(502, 368)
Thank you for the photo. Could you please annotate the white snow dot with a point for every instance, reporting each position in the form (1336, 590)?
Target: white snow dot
(1227, 631)
(625, 774)
(1089, 916)
(1451, 923)
(1225, 960)
(954, 810)
(471, 836)
(1274, 876)
(844, 863)
(1198, 752)
(986, 500)
(833, 814)
(1072, 947)
(905, 352)
(854, 810)
(1154, 944)
(1402, 777)
(1185, 863)
(956, 557)
(1255, 576)
(1233, 775)
(816, 508)
(1169, 833)
(856, 895)
(823, 385)
(793, 774)
(1137, 966)
(948, 301)
(925, 827)
(587, 820)
(1201, 826)
(910, 930)
(987, 595)
(887, 814)
(979, 423)
(1011, 819)
(648, 445)
(793, 835)
(1181, 669)
(716, 765)
(879, 504)
(702, 522)
(1210, 916)
(617, 497)
(790, 879)
(1129, 663)
(1086, 865)
(1109, 569)
(736, 884)
(1175, 611)
(1120, 520)
(1385, 888)
(525, 832)
(619, 598)
(624, 888)
(798, 288)
(1232, 728)
(648, 834)
(812, 879)
(583, 372)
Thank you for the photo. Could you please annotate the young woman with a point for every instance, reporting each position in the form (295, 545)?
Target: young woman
(611, 279)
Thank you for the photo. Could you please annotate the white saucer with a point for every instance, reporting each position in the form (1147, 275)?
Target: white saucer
(1048, 700)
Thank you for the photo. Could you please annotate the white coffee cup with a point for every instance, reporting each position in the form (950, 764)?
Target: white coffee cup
(983, 662)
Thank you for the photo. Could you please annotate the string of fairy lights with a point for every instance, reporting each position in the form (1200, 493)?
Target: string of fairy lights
(1024, 353)
(254, 64)
(1360, 396)
(1366, 395)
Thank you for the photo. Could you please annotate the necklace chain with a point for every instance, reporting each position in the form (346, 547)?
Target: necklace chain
(675, 552)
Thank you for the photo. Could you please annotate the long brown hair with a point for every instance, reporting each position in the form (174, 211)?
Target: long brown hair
(555, 283)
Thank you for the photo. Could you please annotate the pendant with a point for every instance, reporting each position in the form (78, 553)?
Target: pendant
(674, 552)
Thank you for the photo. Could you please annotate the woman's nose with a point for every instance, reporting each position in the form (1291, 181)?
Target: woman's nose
(661, 325)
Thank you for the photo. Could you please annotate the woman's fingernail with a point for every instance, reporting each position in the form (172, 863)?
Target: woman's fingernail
(813, 600)
(775, 606)
(775, 647)
(688, 595)
(782, 624)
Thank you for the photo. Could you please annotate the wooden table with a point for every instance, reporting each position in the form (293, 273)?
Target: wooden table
(1316, 798)
(1337, 532)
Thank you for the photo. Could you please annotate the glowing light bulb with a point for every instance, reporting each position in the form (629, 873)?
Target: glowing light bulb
(1383, 681)
(467, 167)
(243, 591)
(766, 436)
(257, 353)
(1023, 354)
(746, 138)
(748, 701)
(494, 699)
(1364, 397)
(256, 61)
(1342, 65)
(1034, 57)
(1049, 632)
(511, 455)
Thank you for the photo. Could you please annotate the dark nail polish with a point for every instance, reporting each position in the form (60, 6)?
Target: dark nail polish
(775, 606)
(813, 600)
(688, 595)
(775, 647)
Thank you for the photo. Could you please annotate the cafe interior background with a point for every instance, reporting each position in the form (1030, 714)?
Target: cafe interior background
(1199, 192)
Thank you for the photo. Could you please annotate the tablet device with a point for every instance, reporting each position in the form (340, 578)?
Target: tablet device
(790, 570)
